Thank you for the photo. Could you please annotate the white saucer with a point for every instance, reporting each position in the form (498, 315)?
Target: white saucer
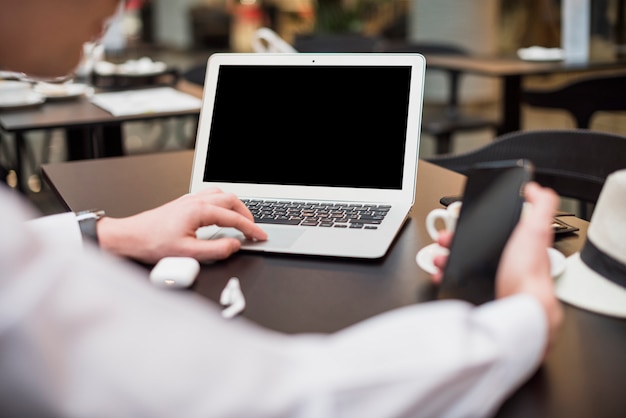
(425, 256)
(61, 91)
(30, 98)
(538, 53)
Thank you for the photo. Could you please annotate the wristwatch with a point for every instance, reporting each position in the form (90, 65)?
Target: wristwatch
(87, 220)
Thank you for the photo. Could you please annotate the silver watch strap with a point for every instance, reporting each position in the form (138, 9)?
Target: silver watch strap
(87, 221)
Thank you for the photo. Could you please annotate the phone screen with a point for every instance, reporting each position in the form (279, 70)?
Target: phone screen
(492, 205)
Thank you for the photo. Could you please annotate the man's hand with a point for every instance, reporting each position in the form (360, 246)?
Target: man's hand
(525, 265)
(170, 230)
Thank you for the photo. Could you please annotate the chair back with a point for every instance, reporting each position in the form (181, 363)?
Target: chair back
(3, 174)
(575, 163)
(583, 97)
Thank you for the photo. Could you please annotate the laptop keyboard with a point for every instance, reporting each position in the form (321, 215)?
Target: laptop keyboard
(317, 214)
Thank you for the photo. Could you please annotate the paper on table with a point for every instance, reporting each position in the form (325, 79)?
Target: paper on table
(137, 102)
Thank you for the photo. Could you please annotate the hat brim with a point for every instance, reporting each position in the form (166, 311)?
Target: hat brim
(582, 287)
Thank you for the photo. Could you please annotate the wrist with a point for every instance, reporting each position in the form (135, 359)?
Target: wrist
(118, 236)
(88, 223)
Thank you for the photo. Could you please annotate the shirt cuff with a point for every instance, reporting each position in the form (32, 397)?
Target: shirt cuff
(62, 229)
(521, 322)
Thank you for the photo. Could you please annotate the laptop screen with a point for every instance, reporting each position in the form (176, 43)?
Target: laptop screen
(339, 126)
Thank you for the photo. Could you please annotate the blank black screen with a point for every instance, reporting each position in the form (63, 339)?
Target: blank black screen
(299, 125)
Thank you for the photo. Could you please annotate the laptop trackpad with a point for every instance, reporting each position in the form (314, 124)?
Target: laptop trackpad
(276, 237)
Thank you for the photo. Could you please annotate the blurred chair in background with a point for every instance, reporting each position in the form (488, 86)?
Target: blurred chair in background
(191, 81)
(575, 163)
(4, 173)
(211, 25)
(583, 97)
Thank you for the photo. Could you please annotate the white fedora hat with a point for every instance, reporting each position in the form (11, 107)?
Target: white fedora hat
(595, 277)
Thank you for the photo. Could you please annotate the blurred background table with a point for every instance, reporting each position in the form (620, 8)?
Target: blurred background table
(511, 71)
(90, 130)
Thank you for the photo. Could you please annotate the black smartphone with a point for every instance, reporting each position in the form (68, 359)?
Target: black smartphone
(492, 205)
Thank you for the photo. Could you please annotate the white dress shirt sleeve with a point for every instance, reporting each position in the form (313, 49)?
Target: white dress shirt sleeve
(89, 336)
(61, 228)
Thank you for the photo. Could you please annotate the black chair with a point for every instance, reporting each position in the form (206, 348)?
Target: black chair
(442, 125)
(4, 173)
(211, 26)
(575, 163)
(195, 74)
(582, 97)
(4, 153)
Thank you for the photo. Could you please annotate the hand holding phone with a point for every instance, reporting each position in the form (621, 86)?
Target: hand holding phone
(492, 205)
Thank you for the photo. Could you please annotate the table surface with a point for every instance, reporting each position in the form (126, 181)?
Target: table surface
(69, 113)
(501, 66)
(583, 376)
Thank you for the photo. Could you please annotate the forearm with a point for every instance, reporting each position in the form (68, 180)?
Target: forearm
(441, 359)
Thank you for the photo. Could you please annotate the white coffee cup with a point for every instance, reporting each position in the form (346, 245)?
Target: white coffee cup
(442, 219)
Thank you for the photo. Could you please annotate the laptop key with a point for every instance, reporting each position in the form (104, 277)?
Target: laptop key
(309, 223)
(277, 221)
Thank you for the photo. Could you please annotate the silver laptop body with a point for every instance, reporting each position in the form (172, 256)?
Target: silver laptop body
(329, 131)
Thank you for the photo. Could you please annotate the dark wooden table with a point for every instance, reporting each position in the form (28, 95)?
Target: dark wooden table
(90, 130)
(511, 71)
(584, 376)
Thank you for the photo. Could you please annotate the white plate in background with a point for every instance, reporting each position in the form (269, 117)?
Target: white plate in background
(539, 53)
(26, 99)
(61, 91)
(141, 67)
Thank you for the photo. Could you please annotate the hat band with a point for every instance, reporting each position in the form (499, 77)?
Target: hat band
(603, 264)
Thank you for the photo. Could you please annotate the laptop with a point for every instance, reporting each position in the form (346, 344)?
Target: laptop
(323, 148)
